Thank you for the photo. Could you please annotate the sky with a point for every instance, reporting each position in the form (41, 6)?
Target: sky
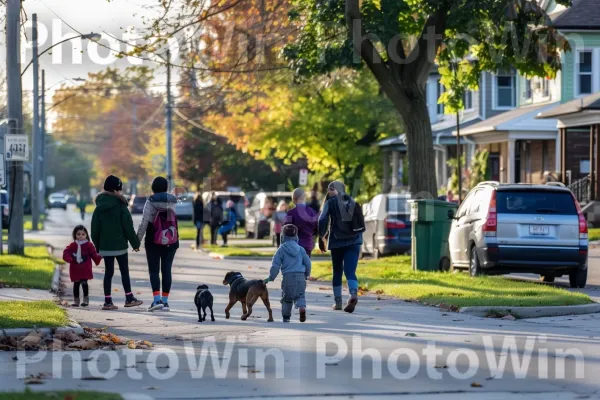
(63, 64)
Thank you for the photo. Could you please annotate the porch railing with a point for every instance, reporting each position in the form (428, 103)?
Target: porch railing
(582, 189)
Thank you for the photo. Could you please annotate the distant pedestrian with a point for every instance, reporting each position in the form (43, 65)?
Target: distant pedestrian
(230, 222)
(278, 220)
(344, 244)
(80, 255)
(305, 218)
(81, 204)
(215, 208)
(295, 266)
(159, 225)
(112, 229)
(198, 210)
(314, 201)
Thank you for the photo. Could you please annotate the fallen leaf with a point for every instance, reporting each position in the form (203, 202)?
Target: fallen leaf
(93, 378)
(33, 381)
(444, 315)
(331, 363)
(85, 344)
(411, 334)
(475, 384)
(441, 367)
(249, 267)
(15, 358)
(509, 317)
(379, 291)
(151, 388)
(115, 289)
(57, 345)
(253, 371)
(138, 292)
(324, 288)
(312, 278)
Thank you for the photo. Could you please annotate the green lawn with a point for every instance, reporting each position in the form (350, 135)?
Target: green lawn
(28, 314)
(395, 277)
(238, 251)
(90, 208)
(593, 234)
(32, 271)
(187, 231)
(27, 223)
(30, 242)
(71, 395)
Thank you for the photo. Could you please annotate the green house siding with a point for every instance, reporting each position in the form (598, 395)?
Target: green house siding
(578, 41)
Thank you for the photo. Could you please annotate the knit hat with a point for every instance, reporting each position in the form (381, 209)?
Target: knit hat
(290, 230)
(337, 185)
(113, 184)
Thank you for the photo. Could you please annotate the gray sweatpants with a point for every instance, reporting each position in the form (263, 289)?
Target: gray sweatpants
(293, 287)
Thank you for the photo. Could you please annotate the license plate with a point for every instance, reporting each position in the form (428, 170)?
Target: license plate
(539, 229)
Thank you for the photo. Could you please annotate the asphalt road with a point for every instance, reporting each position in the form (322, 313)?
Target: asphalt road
(386, 348)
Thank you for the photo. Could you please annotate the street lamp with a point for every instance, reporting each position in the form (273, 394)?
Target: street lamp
(94, 37)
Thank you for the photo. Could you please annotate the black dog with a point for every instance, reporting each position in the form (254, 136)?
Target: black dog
(202, 300)
(247, 292)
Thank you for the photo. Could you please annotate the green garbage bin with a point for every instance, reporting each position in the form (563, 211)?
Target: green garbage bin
(431, 222)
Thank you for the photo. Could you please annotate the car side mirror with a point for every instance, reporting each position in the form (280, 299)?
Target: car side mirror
(451, 214)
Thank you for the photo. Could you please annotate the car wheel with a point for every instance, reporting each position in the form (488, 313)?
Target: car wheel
(548, 278)
(578, 277)
(474, 267)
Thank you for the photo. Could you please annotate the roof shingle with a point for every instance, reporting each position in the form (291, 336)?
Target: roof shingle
(583, 14)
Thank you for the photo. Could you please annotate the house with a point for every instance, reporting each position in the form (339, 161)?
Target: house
(479, 105)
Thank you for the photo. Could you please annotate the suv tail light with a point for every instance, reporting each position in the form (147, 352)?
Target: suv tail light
(394, 224)
(491, 221)
(583, 229)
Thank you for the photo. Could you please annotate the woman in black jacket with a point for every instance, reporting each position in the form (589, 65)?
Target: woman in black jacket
(198, 209)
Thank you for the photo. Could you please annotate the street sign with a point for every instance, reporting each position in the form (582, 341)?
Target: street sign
(2, 171)
(303, 177)
(16, 147)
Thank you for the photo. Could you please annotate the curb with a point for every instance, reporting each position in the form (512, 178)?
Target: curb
(73, 326)
(255, 258)
(532, 312)
(56, 279)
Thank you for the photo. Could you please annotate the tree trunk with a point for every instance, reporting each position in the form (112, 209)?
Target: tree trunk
(421, 160)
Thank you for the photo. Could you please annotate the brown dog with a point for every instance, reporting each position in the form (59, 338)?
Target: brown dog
(247, 292)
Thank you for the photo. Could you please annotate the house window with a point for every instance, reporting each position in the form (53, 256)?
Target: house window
(505, 91)
(528, 89)
(545, 87)
(440, 90)
(468, 100)
(584, 73)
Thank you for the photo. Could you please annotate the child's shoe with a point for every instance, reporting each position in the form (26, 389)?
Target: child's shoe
(302, 314)
(109, 306)
(133, 302)
(85, 302)
(166, 307)
(75, 302)
(156, 305)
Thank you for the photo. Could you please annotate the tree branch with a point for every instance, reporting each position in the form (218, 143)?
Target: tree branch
(424, 53)
(367, 51)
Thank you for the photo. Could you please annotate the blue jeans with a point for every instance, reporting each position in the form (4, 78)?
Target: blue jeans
(345, 261)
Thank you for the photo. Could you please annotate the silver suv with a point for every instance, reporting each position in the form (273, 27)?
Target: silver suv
(521, 228)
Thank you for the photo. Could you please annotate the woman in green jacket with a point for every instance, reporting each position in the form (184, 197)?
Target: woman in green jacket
(112, 230)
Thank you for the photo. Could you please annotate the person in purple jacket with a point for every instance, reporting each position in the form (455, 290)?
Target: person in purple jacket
(306, 220)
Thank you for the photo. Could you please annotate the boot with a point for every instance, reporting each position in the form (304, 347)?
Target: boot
(338, 304)
(85, 302)
(75, 302)
(352, 301)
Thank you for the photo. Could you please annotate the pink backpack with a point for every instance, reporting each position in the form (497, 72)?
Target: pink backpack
(165, 228)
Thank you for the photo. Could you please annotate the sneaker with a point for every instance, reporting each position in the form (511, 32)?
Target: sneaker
(133, 302)
(75, 302)
(85, 302)
(109, 306)
(286, 319)
(166, 307)
(156, 305)
(302, 314)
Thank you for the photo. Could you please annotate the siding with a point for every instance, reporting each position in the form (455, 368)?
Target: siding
(578, 41)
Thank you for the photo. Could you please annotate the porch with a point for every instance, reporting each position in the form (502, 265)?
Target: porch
(521, 148)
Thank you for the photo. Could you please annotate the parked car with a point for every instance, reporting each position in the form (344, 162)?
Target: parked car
(136, 204)
(388, 226)
(258, 215)
(5, 208)
(238, 198)
(57, 200)
(521, 228)
(185, 208)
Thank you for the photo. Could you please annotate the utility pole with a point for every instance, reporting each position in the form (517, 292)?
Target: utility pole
(169, 123)
(35, 134)
(43, 142)
(16, 243)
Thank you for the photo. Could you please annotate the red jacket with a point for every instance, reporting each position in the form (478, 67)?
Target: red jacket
(83, 271)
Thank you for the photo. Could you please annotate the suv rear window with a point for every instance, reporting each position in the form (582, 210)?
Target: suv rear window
(535, 202)
(398, 205)
(139, 200)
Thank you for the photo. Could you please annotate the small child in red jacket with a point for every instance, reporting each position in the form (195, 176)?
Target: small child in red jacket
(79, 255)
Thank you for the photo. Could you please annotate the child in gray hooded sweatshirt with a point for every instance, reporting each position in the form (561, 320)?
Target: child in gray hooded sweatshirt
(295, 266)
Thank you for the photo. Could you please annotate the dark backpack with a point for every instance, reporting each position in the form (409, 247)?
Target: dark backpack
(347, 219)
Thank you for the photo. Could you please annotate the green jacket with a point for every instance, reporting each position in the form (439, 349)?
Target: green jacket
(112, 225)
